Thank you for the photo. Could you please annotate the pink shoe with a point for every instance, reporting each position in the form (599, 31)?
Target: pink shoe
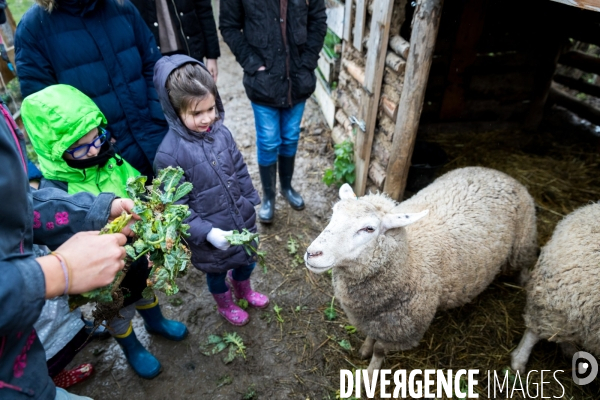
(228, 309)
(243, 290)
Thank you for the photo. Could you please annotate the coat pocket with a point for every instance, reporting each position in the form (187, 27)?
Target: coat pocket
(304, 83)
(259, 88)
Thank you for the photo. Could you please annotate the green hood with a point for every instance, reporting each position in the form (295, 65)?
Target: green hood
(54, 119)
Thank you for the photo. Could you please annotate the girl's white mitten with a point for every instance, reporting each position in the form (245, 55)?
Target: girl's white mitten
(216, 237)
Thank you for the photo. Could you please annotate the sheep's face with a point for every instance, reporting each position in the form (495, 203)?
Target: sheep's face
(352, 232)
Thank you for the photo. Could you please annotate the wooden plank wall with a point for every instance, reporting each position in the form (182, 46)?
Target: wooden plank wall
(485, 61)
(369, 85)
(375, 63)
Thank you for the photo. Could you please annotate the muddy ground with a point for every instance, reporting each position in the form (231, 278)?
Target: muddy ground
(296, 353)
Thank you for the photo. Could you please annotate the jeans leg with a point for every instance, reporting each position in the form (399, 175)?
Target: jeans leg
(290, 129)
(243, 273)
(216, 283)
(268, 133)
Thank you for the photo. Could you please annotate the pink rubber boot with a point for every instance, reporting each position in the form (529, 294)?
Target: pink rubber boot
(228, 309)
(243, 290)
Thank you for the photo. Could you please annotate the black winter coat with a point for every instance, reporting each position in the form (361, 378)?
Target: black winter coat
(252, 30)
(223, 195)
(194, 24)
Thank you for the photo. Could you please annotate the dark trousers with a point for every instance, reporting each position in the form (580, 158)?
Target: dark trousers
(61, 359)
(216, 282)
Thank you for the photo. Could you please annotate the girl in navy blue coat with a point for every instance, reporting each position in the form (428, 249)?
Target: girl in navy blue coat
(223, 198)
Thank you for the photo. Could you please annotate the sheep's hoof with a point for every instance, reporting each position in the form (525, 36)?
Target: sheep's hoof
(366, 350)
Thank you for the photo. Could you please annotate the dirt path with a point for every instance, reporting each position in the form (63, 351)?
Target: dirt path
(283, 360)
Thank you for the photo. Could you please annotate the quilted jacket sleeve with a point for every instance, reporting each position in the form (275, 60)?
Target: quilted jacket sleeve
(248, 190)
(34, 69)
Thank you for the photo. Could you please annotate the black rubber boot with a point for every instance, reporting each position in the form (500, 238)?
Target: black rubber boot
(268, 177)
(286, 171)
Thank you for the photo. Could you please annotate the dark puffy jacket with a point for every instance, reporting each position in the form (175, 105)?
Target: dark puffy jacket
(50, 219)
(252, 30)
(106, 51)
(223, 196)
(194, 24)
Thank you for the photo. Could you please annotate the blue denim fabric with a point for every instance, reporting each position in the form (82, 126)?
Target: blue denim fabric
(216, 282)
(277, 131)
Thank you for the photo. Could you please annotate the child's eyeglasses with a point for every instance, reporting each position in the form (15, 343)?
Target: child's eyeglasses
(81, 151)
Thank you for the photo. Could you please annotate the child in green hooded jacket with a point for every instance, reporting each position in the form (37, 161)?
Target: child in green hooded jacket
(75, 154)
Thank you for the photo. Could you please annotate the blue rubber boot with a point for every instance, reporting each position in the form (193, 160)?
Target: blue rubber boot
(156, 323)
(141, 360)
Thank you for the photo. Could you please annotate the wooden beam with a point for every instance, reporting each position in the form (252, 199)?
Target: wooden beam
(583, 61)
(578, 84)
(369, 103)
(426, 22)
(593, 5)
(463, 56)
(550, 36)
(575, 105)
(359, 24)
(326, 102)
(348, 20)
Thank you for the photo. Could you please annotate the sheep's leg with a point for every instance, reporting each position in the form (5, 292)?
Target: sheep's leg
(366, 350)
(523, 350)
(380, 349)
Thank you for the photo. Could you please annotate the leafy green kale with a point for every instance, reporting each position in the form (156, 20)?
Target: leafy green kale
(246, 239)
(159, 235)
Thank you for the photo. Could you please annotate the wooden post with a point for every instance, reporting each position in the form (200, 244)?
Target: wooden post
(463, 55)
(369, 103)
(547, 53)
(426, 22)
(348, 20)
(359, 24)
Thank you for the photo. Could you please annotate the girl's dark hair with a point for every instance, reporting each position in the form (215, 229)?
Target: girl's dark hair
(187, 84)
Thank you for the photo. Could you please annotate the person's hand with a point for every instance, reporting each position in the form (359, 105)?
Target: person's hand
(92, 261)
(211, 65)
(116, 209)
(261, 68)
(216, 237)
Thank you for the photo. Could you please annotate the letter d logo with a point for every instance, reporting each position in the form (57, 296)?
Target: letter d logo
(584, 368)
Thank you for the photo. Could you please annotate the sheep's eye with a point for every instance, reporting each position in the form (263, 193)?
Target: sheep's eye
(368, 229)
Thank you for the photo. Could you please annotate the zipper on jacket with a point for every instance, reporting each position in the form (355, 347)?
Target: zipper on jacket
(181, 29)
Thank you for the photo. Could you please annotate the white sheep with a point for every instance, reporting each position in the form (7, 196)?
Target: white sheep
(563, 301)
(395, 264)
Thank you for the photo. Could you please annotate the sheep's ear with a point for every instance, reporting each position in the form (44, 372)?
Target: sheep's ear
(391, 221)
(346, 192)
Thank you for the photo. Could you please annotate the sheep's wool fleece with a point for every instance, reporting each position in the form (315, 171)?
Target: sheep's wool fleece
(563, 300)
(480, 221)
